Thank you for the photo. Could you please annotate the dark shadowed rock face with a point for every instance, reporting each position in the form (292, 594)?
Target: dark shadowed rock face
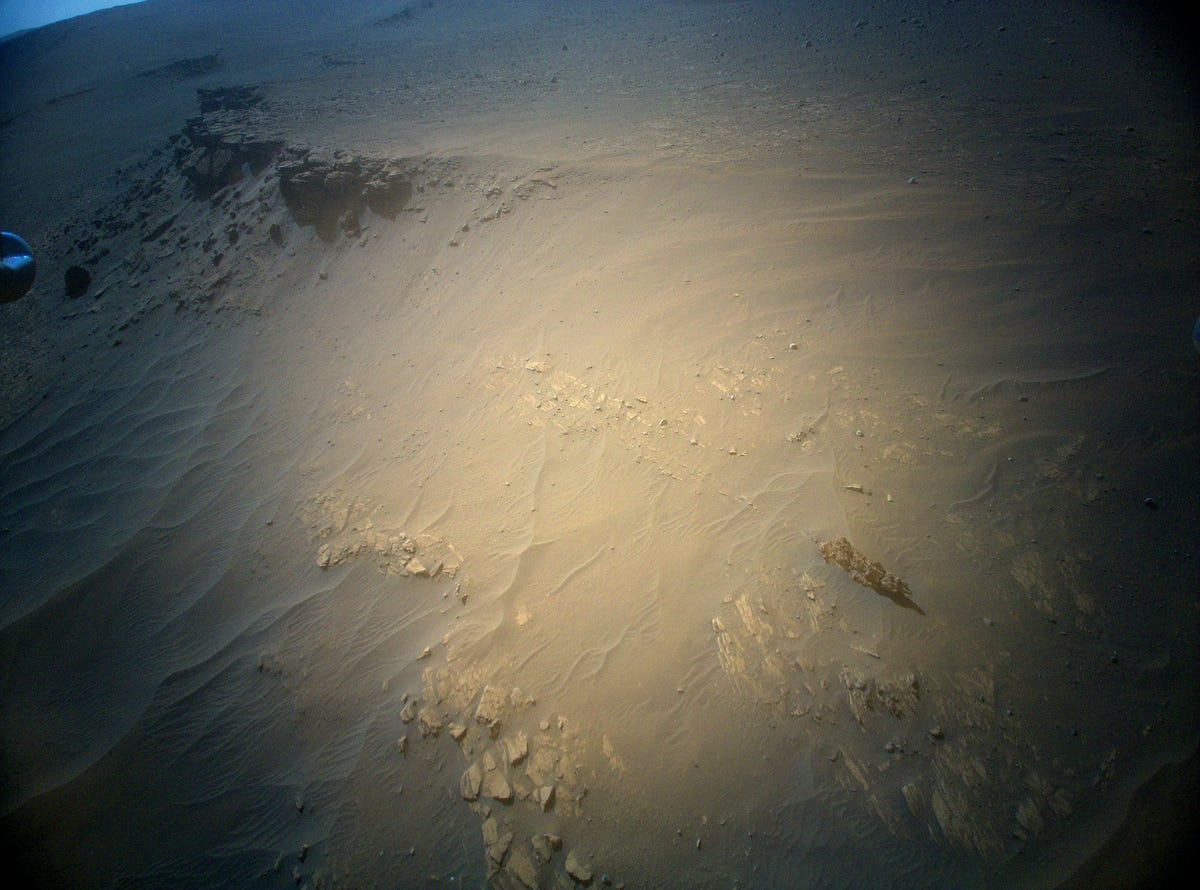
(227, 140)
(228, 99)
(319, 188)
(328, 190)
(184, 69)
(219, 147)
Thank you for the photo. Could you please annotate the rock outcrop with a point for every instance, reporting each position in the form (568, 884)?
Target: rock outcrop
(225, 141)
(321, 189)
(231, 139)
(867, 572)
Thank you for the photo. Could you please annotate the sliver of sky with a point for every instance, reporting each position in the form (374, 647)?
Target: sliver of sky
(18, 15)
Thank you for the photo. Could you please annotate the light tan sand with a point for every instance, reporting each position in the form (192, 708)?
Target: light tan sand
(378, 560)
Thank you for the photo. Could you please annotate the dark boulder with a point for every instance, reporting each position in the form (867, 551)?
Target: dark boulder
(76, 281)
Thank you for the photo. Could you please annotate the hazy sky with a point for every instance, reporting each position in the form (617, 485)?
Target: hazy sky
(17, 15)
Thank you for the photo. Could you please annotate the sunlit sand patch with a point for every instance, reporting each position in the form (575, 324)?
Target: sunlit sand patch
(662, 362)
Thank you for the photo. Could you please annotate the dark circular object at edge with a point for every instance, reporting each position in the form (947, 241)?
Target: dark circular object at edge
(17, 268)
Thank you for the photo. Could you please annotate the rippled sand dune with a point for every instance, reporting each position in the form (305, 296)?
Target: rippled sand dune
(677, 444)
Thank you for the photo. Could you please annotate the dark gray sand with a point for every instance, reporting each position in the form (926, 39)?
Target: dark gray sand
(673, 444)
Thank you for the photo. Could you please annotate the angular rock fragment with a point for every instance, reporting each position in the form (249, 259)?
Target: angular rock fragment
(867, 572)
(471, 782)
(491, 705)
(496, 786)
(495, 783)
(544, 846)
(542, 765)
(431, 721)
(516, 747)
(496, 841)
(522, 787)
(578, 867)
(522, 868)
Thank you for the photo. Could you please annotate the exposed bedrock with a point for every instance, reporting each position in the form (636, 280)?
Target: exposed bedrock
(320, 189)
(225, 141)
(229, 141)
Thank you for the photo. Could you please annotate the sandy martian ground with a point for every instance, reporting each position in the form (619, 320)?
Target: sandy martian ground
(666, 444)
